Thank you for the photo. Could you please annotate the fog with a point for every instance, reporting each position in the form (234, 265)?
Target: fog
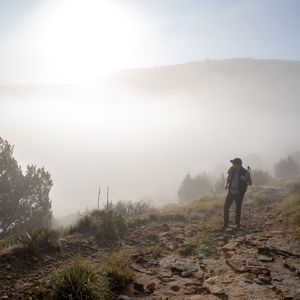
(141, 131)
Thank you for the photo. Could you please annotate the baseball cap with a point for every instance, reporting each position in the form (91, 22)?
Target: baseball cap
(237, 161)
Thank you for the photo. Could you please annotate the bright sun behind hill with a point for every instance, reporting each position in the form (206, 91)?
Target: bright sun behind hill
(82, 40)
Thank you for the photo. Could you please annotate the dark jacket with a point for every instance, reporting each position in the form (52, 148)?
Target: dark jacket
(242, 183)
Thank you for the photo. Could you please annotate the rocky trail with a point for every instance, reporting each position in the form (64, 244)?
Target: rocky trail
(259, 261)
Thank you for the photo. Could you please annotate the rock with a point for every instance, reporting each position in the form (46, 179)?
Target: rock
(231, 246)
(265, 258)
(184, 266)
(170, 246)
(227, 280)
(258, 281)
(166, 274)
(229, 254)
(165, 227)
(175, 288)
(151, 287)
(203, 297)
(265, 279)
(138, 268)
(124, 297)
(213, 286)
(252, 262)
(139, 287)
(237, 264)
(188, 273)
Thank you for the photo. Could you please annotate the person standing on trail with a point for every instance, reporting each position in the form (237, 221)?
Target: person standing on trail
(237, 182)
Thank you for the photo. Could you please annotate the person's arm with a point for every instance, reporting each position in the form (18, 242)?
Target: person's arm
(227, 180)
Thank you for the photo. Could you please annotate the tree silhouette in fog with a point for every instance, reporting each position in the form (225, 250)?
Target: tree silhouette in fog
(286, 167)
(24, 198)
(219, 185)
(192, 188)
(260, 177)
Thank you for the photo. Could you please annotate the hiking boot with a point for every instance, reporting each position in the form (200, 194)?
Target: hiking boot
(224, 227)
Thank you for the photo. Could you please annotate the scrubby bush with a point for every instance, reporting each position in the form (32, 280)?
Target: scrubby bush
(106, 225)
(260, 177)
(286, 167)
(128, 208)
(84, 224)
(81, 280)
(116, 268)
(289, 209)
(40, 240)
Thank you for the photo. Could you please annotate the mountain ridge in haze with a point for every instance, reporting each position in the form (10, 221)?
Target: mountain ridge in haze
(262, 81)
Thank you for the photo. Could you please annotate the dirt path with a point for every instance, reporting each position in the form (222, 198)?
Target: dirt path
(260, 261)
(257, 262)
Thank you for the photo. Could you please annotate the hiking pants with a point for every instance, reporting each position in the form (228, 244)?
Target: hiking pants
(238, 204)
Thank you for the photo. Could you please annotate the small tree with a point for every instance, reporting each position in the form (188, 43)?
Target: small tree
(11, 186)
(192, 188)
(24, 199)
(286, 167)
(219, 185)
(260, 177)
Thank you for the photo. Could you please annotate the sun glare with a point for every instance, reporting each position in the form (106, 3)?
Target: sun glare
(82, 40)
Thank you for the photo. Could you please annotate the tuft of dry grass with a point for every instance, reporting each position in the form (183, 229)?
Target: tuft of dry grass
(289, 209)
(116, 268)
(80, 280)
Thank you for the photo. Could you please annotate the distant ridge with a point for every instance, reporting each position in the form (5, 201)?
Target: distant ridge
(264, 84)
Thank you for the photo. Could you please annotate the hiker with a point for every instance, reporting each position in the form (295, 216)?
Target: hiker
(237, 182)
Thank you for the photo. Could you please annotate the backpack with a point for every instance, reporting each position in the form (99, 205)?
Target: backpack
(243, 185)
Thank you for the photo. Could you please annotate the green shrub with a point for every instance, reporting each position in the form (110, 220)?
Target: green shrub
(200, 246)
(205, 247)
(81, 280)
(40, 240)
(116, 268)
(84, 224)
(106, 225)
(8, 242)
(128, 208)
(289, 210)
(110, 227)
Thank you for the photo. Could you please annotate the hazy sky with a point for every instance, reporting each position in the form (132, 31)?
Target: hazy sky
(143, 139)
(50, 41)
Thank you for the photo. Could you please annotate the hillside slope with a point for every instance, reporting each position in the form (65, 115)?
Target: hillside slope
(183, 254)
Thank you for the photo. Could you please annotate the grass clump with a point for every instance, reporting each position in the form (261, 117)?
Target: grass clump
(83, 280)
(110, 227)
(107, 226)
(85, 224)
(201, 246)
(41, 240)
(289, 209)
(204, 247)
(80, 281)
(116, 268)
(211, 223)
(203, 205)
